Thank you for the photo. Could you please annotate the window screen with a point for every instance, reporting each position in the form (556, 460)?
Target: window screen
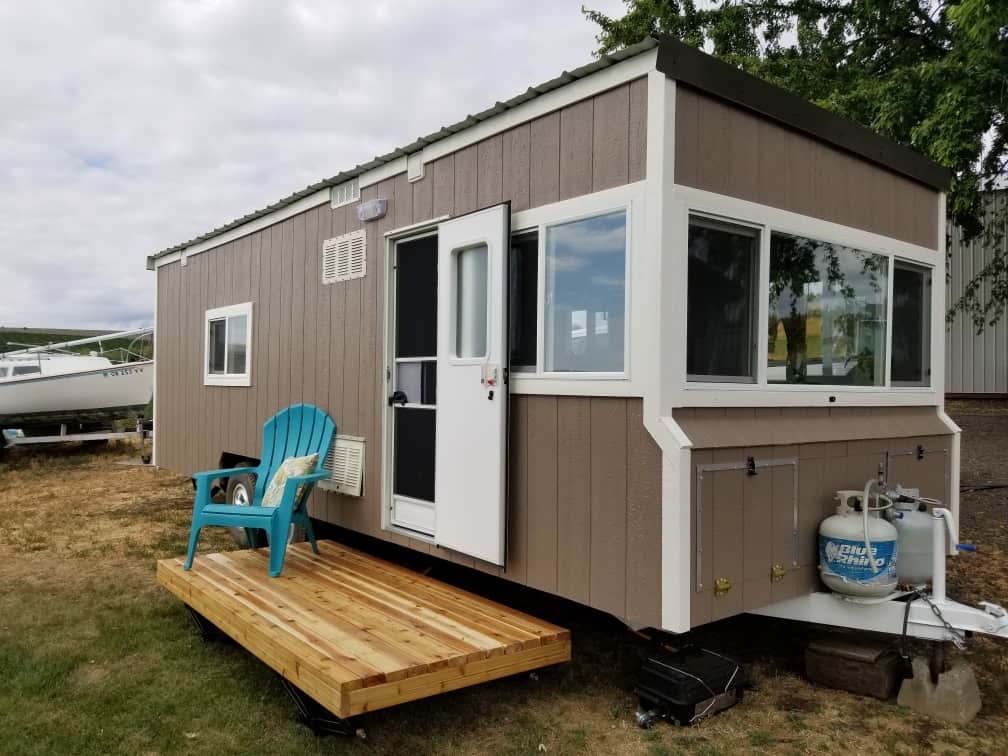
(416, 298)
(585, 298)
(911, 327)
(721, 301)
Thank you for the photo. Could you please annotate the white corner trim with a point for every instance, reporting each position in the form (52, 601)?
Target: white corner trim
(228, 379)
(320, 197)
(154, 403)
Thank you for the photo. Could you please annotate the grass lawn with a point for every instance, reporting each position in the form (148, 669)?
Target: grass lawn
(95, 658)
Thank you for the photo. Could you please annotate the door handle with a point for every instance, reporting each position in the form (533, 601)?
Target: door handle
(398, 397)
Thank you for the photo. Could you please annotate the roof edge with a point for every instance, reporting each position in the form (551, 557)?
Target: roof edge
(697, 69)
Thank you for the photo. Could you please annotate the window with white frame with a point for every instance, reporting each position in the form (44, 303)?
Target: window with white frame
(584, 299)
(911, 325)
(228, 346)
(721, 311)
(833, 314)
(576, 321)
(827, 313)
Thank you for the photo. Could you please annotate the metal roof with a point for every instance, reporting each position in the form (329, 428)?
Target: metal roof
(531, 93)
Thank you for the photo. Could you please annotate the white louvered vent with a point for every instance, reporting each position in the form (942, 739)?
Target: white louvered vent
(345, 193)
(344, 257)
(345, 465)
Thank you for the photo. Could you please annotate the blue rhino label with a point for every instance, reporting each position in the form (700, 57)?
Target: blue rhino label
(849, 559)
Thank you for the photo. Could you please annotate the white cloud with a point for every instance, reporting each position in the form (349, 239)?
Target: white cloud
(128, 127)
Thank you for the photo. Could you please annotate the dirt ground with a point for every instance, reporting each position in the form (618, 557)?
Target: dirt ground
(96, 658)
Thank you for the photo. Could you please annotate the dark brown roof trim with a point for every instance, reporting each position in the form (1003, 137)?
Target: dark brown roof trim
(708, 74)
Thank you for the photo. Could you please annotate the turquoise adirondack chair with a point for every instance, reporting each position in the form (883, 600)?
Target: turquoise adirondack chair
(297, 431)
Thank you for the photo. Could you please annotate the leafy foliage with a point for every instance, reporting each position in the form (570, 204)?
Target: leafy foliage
(930, 74)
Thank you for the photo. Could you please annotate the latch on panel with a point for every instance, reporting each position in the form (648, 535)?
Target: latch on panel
(777, 573)
(721, 586)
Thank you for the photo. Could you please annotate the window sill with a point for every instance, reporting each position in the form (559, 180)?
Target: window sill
(227, 380)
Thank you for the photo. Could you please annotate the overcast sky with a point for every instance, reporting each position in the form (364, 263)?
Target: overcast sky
(127, 127)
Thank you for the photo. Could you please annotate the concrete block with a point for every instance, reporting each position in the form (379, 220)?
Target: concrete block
(956, 697)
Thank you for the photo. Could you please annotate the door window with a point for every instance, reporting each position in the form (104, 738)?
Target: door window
(471, 302)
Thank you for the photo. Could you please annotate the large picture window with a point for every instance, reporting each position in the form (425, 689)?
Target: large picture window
(721, 312)
(827, 313)
(585, 295)
(228, 335)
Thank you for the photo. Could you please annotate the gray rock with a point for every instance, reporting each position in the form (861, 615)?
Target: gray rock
(956, 697)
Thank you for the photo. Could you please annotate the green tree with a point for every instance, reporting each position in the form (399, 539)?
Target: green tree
(930, 74)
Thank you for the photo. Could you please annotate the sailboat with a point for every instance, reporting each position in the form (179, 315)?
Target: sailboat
(46, 386)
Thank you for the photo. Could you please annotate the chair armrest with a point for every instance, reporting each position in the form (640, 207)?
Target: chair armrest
(225, 473)
(293, 483)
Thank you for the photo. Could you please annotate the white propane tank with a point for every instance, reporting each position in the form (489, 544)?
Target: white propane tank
(915, 565)
(844, 564)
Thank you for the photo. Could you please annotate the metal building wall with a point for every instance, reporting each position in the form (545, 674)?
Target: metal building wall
(975, 364)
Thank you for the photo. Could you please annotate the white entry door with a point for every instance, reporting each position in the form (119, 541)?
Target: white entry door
(471, 424)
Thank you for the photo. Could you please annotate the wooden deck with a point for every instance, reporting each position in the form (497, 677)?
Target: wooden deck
(358, 633)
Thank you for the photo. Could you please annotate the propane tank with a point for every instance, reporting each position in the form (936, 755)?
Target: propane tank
(914, 526)
(845, 565)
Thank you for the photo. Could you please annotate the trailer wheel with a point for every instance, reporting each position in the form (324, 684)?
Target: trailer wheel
(241, 492)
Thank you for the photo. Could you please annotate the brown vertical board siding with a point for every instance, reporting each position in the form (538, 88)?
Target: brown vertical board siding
(638, 130)
(465, 180)
(516, 156)
(443, 172)
(423, 196)
(574, 476)
(286, 345)
(544, 134)
(576, 149)
(608, 505)
(757, 535)
(725, 149)
(490, 171)
(517, 512)
(611, 138)
(312, 283)
(401, 201)
(298, 335)
(726, 523)
(644, 573)
(542, 453)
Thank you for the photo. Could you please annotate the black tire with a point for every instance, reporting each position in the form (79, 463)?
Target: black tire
(241, 491)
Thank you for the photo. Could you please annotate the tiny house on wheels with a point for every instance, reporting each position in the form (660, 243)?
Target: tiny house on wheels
(621, 338)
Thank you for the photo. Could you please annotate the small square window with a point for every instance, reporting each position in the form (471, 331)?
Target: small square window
(228, 346)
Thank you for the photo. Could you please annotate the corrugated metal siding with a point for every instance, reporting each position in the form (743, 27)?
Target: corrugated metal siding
(975, 363)
(585, 476)
(727, 150)
(746, 521)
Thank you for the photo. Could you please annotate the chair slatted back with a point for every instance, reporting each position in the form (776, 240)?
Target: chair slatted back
(297, 431)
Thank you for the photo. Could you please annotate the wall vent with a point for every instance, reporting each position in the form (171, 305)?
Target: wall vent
(345, 193)
(344, 257)
(345, 465)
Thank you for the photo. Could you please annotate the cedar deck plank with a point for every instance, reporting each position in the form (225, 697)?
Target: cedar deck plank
(358, 633)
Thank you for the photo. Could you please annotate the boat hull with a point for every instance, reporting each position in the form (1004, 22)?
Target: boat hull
(86, 397)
